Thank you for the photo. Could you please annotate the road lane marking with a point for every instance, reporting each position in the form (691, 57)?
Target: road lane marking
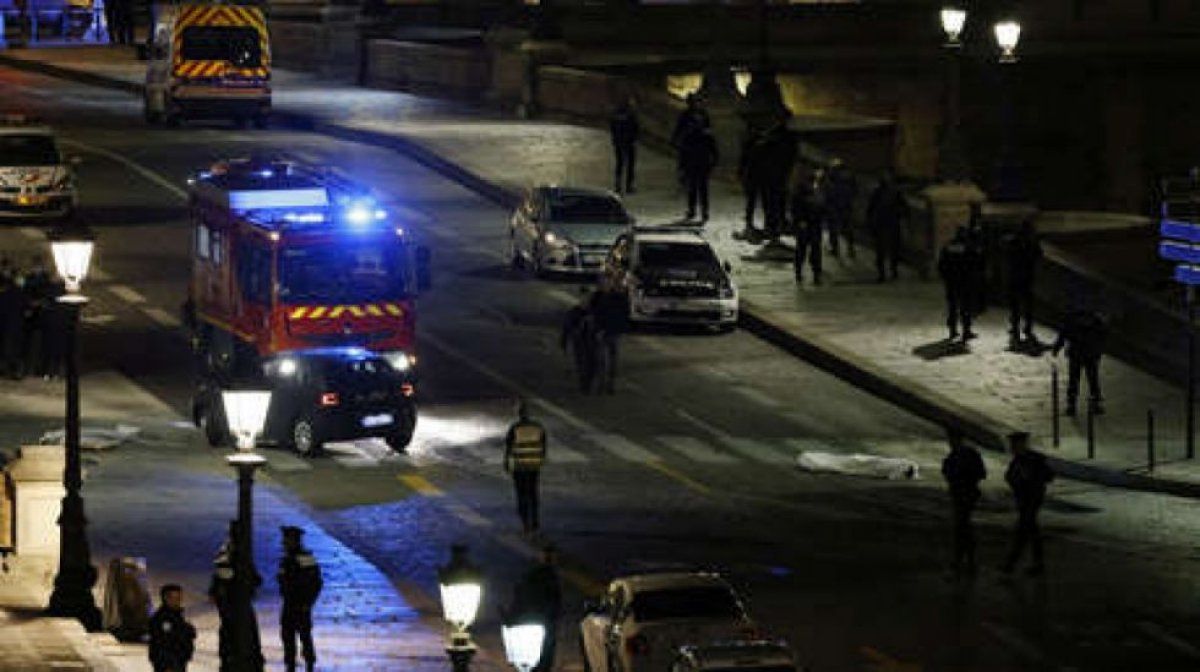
(702, 424)
(127, 294)
(757, 396)
(421, 485)
(622, 447)
(759, 451)
(161, 316)
(136, 167)
(695, 449)
(1159, 634)
(681, 478)
(560, 453)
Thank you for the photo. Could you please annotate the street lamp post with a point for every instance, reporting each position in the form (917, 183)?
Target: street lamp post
(461, 586)
(1009, 185)
(72, 596)
(952, 159)
(523, 644)
(246, 412)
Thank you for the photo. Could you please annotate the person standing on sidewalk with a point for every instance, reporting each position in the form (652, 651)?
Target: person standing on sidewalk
(524, 455)
(840, 189)
(1027, 476)
(954, 267)
(963, 469)
(172, 638)
(750, 171)
(1024, 253)
(807, 217)
(624, 130)
(697, 157)
(538, 597)
(779, 162)
(885, 214)
(300, 585)
(1083, 333)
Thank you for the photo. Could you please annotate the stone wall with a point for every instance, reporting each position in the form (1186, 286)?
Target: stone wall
(453, 72)
(327, 47)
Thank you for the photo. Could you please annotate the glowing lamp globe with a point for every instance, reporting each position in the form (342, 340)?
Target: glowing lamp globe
(246, 413)
(523, 644)
(953, 20)
(461, 586)
(72, 256)
(1008, 34)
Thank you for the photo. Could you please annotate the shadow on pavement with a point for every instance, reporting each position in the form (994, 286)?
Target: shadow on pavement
(938, 349)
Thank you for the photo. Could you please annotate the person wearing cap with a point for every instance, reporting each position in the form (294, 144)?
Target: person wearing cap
(172, 638)
(538, 597)
(1027, 475)
(299, 585)
(524, 455)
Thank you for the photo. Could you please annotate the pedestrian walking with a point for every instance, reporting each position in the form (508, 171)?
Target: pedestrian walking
(955, 268)
(808, 217)
(300, 583)
(172, 638)
(12, 328)
(524, 455)
(750, 175)
(885, 215)
(840, 189)
(624, 130)
(538, 599)
(609, 310)
(1083, 334)
(1027, 476)
(698, 156)
(1024, 253)
(780, 147)
(963, 470)
(579, 340)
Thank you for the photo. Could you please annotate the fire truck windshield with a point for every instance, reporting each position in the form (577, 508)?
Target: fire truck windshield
(342, 273)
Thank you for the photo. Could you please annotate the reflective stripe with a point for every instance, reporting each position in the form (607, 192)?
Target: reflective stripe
(298, 313)
(393, 309)
(374, 311)
(529, 446)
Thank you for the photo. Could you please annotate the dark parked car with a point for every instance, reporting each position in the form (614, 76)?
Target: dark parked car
(320, 396)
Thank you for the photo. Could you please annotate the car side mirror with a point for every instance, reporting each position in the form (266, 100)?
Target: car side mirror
(424, 274)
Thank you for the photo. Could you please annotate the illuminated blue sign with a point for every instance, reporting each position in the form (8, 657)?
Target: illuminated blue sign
(1181, 243)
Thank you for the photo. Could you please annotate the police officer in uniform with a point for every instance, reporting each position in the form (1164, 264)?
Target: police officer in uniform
(1083, 334)
(1027, 475)
(524, 455)
(963, 469)
(299, 585)
(172, 638)
(220, 593)
(954, 266)
(1024, 253)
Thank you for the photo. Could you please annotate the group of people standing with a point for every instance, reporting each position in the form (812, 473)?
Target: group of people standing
(118, 16)
(32, 323)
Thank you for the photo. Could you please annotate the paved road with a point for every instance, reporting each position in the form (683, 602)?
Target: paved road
(688, 465)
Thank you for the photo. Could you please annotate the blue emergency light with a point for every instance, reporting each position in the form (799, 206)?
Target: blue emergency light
(1180, 243)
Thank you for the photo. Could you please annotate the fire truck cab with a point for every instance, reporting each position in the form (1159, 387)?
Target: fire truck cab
(288, 258)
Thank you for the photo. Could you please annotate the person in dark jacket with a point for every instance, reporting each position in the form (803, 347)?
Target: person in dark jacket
(780, 159)
(300, 585)
(955, 268)
(1083, 333)
(609, 310)
(1027, 476)
(624, 130)
(840, 190)
(1024, 253)
(54, 317)
(963, 469)
(885, 215)
(12, 329)
(35, 284)
(220, 593)
(172, 638)
(750, 174)
(538, 598)
(697, 158)
(693, 118)
(578, 336)
(808, 214)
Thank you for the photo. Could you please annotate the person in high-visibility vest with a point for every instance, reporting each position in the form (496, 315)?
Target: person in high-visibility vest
(524, 455)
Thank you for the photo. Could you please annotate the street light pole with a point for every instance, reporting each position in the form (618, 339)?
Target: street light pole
(72, 596)
(952, 163)
(1009, 186)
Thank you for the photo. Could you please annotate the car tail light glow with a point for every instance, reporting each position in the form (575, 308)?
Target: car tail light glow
(330, 399)
(638, 645)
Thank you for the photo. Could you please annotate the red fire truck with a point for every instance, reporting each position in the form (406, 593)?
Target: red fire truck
(287, 257)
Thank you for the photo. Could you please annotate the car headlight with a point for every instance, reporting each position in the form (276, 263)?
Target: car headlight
(401, 361)
(554, 240)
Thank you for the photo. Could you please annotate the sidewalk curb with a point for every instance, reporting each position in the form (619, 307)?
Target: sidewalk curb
(859, 372)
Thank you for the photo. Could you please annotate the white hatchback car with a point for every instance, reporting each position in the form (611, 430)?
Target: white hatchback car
(36, 180)
(565, 229)
(644, 619)
(735, 656)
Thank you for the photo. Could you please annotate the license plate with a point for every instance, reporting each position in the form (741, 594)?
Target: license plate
(378, 420)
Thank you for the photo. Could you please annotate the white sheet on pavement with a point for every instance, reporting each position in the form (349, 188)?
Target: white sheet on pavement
(859, 464)
(95, 438)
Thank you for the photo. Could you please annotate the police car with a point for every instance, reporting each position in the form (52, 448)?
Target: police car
(735, 656)
(36, 180)
(672, 275)
(319, 396)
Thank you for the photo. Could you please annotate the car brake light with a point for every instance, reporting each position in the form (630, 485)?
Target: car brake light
(407, 389)
(330, 399)
(638, 645)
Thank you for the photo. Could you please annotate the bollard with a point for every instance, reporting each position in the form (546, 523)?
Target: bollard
(1091, 431)
(1150, 439)
(1054, 421)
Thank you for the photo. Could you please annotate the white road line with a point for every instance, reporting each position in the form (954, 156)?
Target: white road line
(702, 424)
(487, 454)
(1018, 644)
(161, 316)
(32, 233)
(1159, 634)
(558, 453)
(136, 167)
(759, 451)
(127, 294)
(695, 449)
(757, 396)
(621, 447)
